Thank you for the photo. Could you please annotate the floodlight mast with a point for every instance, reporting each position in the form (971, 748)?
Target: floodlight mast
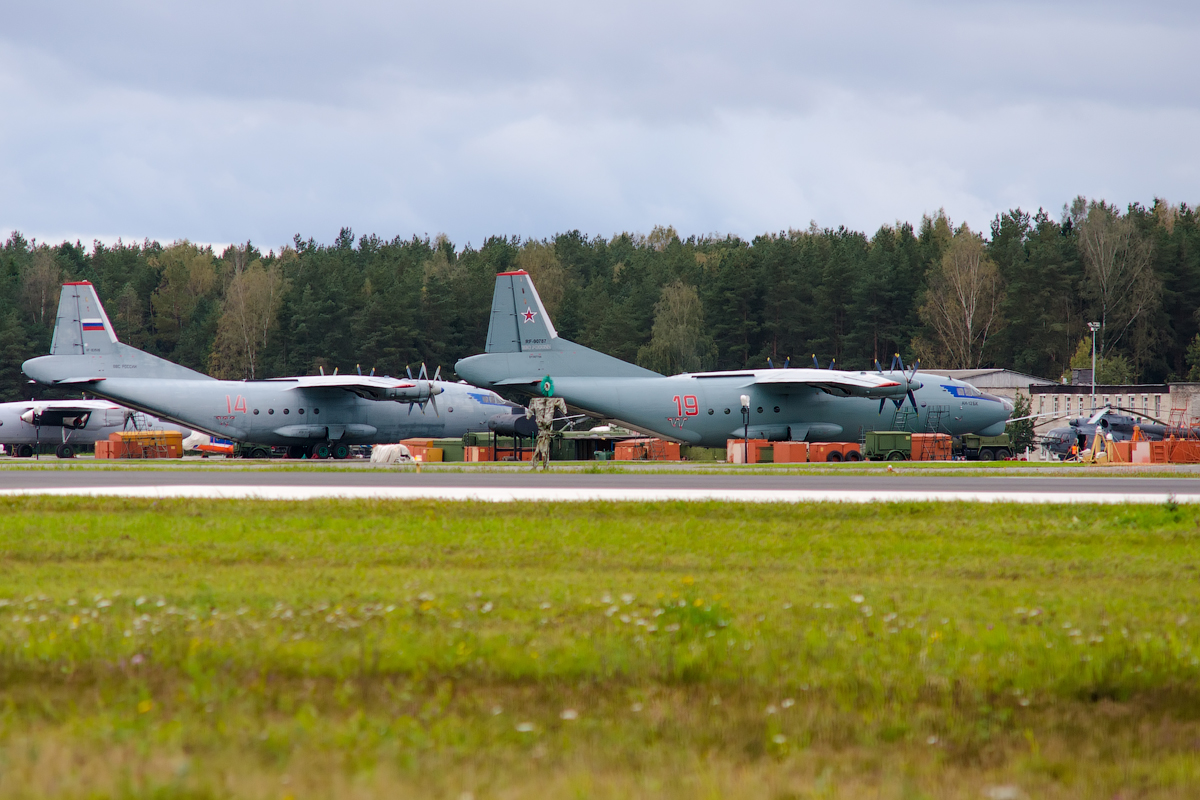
(1093, 327)
(746, 422)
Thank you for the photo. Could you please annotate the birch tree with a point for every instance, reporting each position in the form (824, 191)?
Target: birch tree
(678, 342)
(1117, 271)
(41, 282)
(963, 299)
(248, 314)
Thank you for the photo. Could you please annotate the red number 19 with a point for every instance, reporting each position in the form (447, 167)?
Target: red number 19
(686, 405)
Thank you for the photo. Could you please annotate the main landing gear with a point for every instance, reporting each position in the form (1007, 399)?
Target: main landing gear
(338, 450)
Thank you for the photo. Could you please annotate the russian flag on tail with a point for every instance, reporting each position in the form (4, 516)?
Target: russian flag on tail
(93, 324)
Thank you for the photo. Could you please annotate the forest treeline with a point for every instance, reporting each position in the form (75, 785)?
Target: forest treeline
(1017, 296)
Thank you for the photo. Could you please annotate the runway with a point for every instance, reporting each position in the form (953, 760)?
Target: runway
(575, 487)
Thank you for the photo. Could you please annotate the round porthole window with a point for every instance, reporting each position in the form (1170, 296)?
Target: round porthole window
(727, 411)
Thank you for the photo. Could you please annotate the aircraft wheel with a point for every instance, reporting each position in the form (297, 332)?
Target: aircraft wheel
(854, 455)
(320, 450)
(64, 450)
(834, 457)
(340, 450)
(297, 451)
(987, 455)
(24, 451)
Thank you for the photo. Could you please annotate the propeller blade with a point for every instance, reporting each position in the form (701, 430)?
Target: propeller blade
(372, 372)
(816, 363)
(437, 374)
(769, 364)
(424, 373)
(882, 400)
(832, 363)
(322, 370)
(912, 399)
(335, 370)
(359, 368)
(900, 361)
(877, 367)
(787, 362)
(433, 402)
(408, 370)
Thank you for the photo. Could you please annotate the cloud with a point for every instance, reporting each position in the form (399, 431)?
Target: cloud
(227, 121)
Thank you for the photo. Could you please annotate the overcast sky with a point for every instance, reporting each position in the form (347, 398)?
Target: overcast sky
(223, 122)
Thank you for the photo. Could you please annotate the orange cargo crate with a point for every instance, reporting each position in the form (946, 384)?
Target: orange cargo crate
(646, 450)
(1185, 452)
(931, 447)
(475, 454)
(1120, 452)
(735, 450)
(791, 452)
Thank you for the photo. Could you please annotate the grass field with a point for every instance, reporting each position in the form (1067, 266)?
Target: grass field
(270, 650)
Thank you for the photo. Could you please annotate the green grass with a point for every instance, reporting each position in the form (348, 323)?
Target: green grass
(254, 649)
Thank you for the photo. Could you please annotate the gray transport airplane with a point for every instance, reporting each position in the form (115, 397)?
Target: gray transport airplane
(67, 424)
(317, 415)
(525, 354)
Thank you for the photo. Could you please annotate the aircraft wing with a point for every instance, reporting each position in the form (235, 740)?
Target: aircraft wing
(64, 413)
(368, 387)
(840, 383)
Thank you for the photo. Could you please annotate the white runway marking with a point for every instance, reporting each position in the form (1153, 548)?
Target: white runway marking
(533, 494)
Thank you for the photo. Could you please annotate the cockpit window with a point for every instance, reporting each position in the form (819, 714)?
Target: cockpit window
(971, 391)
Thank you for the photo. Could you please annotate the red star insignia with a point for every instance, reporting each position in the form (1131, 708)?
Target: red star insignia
(529, 315)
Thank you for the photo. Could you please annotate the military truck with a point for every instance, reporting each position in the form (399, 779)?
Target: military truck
(887, 445)
(986, 448)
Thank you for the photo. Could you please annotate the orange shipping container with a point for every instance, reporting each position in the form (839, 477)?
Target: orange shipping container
(646, 449)
(476, 454)
(735, 450)
(791, 452)
(931, 447)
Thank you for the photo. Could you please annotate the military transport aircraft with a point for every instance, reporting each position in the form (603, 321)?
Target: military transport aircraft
(321, 415)
(25, 425)
(525, 354)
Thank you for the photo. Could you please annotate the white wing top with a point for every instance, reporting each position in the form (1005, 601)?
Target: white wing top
(842, 383)
(367, 386)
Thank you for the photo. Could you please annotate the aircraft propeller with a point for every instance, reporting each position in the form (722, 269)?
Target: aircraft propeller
(434, 391)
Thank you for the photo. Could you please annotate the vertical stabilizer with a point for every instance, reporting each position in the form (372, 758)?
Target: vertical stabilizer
(82, 327)
(519, 321)
(85, 347)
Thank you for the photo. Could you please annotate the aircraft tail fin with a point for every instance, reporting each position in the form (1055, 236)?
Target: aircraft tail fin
(82, 327)
(85, 346)
(519, 321)
(522, 345)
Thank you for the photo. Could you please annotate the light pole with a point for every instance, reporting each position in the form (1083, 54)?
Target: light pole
(1093, 327)
(746, 422)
